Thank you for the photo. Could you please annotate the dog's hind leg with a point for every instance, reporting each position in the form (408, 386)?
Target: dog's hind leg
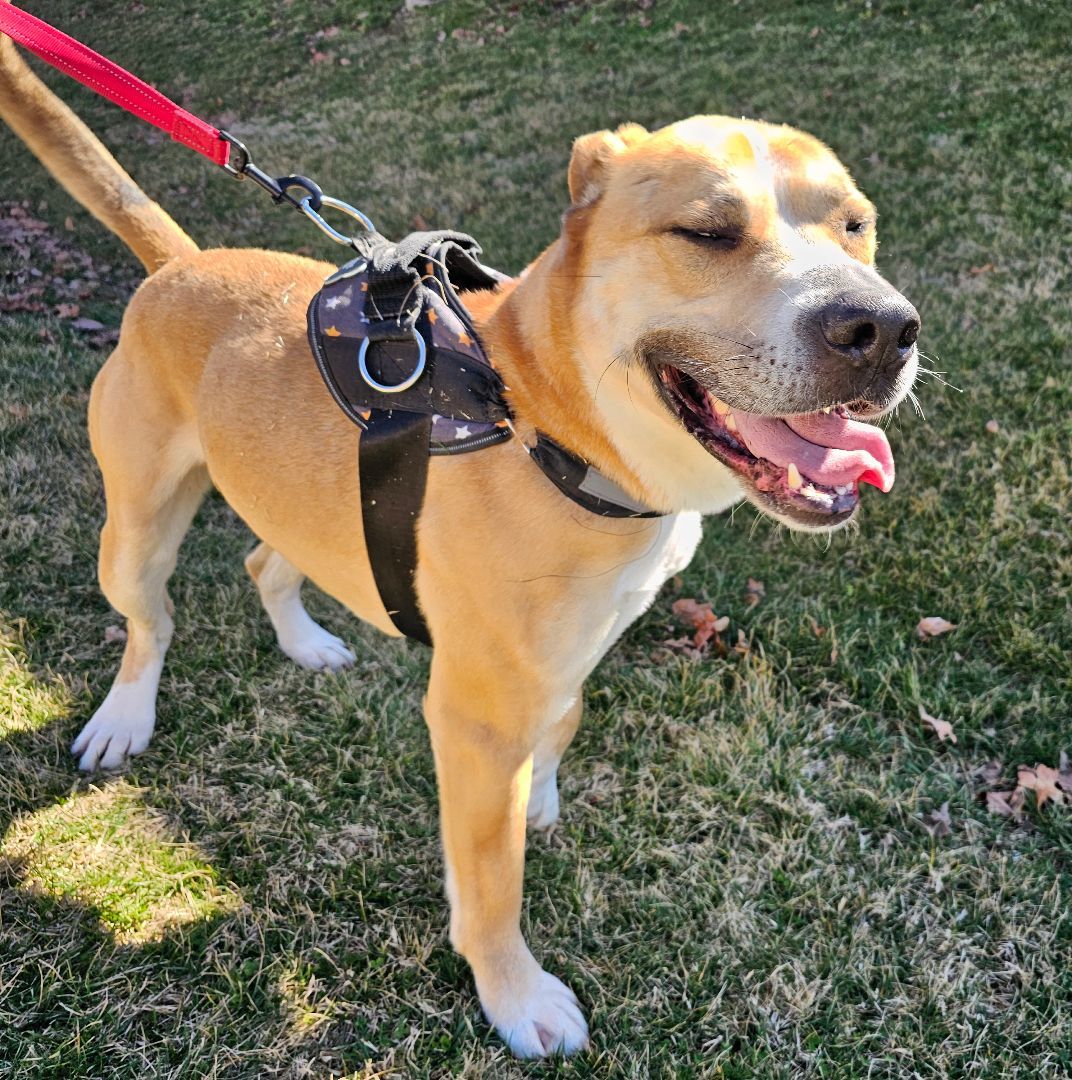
(543, 798)
(154, 481)
(306, 642)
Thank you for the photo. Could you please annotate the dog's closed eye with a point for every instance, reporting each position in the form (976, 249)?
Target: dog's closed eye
(721, 238)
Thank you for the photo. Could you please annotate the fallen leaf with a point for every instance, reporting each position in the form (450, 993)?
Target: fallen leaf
(1042, 780)
(417, 222)
(942, 728)
(993, 427)
(701, 618)
(68, 223)
(938, 822)
(87, 324)
(1006, 803)
(754, 592)
(67, 311)
(112, 634)
(984, 269)
(933, 626)
(816, 629)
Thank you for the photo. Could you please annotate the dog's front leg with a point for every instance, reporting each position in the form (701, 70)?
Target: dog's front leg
(484, 725)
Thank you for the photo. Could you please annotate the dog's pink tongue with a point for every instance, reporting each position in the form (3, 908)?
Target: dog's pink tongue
(827, 449)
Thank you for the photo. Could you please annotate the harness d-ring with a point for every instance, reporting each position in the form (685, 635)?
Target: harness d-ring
(406, 383)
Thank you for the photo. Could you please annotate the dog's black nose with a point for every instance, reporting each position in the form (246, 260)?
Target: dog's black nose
(873, 330)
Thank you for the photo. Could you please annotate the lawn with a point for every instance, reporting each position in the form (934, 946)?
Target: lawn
(754, 875)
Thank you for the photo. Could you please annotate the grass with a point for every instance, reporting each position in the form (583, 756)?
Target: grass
(747, 881)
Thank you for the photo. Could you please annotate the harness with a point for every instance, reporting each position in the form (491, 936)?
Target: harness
(402, 359)
(390, 335)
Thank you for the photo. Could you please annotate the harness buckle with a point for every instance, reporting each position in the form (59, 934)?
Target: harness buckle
(408, 381)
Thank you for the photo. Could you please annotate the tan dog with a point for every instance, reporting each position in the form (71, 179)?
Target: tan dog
(699, 332)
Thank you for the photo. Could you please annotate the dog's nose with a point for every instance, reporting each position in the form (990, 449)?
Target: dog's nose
(876, 330)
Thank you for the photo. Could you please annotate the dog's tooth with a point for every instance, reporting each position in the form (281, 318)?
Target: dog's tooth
(793, 477)
(808, 490)
(827, 408)
(844, 489)
(730, 422)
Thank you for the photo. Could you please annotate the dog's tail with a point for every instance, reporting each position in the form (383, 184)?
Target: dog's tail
(80, 162)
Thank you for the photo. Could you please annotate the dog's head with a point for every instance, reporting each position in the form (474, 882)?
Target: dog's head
(735, 332)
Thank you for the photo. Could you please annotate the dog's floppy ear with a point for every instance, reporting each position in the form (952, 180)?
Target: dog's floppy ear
(592, 155)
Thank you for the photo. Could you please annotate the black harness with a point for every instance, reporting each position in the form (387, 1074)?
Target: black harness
(402, 359)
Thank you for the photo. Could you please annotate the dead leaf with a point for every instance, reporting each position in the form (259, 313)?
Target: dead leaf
(742, 647)
(67, 311)
(816, 629)
(112, 634)
(1042, 780)
(87, 324)
(986, 268)
(993, 427)
(942, 728)
(701, 618)
(417, 222)
(938, 822)
(934, 626)
(68, 223)
(1006, 803)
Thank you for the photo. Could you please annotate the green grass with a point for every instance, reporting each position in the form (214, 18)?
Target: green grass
(743, 883)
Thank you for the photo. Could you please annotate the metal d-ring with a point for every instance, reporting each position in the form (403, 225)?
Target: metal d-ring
(335, 204)
(406, 383)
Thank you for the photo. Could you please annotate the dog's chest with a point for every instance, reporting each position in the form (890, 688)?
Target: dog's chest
(639, 581)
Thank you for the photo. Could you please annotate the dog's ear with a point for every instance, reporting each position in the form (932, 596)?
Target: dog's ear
(592, 154)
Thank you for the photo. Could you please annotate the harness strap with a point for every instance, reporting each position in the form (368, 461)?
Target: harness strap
(393, 469)
(113, 82)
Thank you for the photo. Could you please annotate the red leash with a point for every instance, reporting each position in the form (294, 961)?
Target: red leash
(129, 92)
(113, 82)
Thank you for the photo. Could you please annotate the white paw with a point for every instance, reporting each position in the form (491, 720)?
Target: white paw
(317, 649)
(122, 726)
(542, 811)
(546, 1020)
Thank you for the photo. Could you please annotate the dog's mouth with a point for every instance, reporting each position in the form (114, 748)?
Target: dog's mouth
(807, 467)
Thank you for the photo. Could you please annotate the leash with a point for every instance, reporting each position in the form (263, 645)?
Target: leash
(391, 338)
(107, 78)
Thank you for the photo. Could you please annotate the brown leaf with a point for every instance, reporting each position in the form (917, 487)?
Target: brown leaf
(1006, 803)
(68, 223)
(1042, 780)
(934, 626)
(986, 268)
(701, 618)
(816, 629)
(942, 728)
(67, 311)
(112, 634)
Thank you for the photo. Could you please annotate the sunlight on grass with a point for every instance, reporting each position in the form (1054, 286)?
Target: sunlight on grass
(105, 848)
(26, 703)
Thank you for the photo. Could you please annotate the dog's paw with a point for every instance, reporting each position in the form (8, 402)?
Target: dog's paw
(121, 727)
(542, 810)
(315, 648)
(545, 1020)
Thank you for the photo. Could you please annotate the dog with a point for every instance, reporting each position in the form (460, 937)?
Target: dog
(708, 327)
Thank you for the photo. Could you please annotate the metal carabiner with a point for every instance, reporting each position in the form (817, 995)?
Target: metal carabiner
(335, 204)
